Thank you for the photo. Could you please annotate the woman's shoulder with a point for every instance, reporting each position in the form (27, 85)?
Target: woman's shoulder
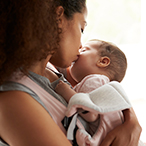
(12, 100)
(11, 104)
(14, 86)
(22, 119)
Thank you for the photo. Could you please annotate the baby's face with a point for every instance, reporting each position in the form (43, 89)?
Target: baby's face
(86, 63)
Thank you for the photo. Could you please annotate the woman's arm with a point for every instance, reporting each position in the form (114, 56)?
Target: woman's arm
(24, 122)
(127, 134)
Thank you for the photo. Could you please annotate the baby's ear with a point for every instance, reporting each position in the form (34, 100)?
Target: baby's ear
(103, 62)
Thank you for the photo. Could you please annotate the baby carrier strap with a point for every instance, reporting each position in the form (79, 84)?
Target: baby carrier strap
(108, 101)
(56, 109)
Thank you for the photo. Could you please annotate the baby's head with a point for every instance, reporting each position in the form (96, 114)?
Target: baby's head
(100, 57)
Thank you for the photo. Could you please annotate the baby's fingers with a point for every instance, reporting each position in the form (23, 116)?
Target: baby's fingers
(59, 87)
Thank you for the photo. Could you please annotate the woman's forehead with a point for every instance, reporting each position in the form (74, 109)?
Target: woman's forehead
(81, 17)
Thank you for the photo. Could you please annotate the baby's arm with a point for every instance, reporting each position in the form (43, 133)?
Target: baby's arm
(89, 117)
(66, 92)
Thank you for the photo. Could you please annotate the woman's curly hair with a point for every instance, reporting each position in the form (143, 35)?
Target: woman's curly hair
(29, 31)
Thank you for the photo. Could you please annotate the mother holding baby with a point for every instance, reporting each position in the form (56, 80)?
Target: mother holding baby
(33, 33)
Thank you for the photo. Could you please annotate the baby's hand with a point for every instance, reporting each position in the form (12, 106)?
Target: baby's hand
(61, 87)
(64, 90)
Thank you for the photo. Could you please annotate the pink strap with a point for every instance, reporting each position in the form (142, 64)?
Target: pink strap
(55, 107)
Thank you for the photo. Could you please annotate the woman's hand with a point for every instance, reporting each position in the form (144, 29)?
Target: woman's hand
(126, 134)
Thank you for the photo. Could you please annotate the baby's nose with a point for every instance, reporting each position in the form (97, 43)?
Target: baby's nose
(80, 49)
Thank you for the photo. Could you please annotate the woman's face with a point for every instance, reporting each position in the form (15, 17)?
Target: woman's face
(70, 40)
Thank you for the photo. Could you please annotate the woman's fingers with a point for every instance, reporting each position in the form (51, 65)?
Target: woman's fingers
(121, 136)
(109, 139)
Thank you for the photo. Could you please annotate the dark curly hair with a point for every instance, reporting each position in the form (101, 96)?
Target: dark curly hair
(118, 61)
(29, 31)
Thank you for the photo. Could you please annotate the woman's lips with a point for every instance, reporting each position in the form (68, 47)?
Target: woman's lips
(76, 59)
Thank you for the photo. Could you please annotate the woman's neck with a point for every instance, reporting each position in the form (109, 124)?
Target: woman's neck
(39, 67)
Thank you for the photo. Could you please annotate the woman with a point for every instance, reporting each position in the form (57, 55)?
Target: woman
(33, 32)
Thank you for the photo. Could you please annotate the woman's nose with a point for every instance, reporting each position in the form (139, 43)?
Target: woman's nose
(80, 46)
